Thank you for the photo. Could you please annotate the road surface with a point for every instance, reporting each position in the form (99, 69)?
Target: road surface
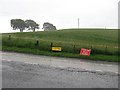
(36, 71)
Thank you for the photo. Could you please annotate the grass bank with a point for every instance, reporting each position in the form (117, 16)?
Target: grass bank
(102, 42)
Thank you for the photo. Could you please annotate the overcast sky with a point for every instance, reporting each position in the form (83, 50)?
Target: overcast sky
(61, 13)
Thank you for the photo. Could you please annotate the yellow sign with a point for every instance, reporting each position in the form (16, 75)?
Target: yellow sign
(56, 49)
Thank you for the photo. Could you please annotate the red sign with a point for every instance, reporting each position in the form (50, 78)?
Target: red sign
(85, 52)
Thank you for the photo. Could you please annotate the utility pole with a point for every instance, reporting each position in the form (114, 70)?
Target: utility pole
(78, 23)
(119, 15)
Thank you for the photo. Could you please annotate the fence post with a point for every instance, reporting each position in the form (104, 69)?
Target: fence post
(91, 49)
(9, 37)
(106, 50)
(74, 48)
(51, 44)
(37, 42)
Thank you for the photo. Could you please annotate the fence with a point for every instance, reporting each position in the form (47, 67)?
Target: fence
(46, 46)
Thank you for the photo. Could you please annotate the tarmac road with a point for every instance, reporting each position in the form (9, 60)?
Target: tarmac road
(35, 71)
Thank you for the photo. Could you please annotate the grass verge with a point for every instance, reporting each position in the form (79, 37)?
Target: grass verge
(96, 57)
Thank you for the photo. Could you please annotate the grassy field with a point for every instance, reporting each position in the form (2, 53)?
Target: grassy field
(100, 41)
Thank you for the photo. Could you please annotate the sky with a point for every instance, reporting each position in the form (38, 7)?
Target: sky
(61, 13)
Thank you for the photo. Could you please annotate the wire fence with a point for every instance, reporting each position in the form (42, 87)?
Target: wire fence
(47, 46)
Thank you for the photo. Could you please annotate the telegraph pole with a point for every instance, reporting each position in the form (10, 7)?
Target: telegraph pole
(78, 23)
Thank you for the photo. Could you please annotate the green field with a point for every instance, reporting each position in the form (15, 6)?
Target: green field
(100, 41)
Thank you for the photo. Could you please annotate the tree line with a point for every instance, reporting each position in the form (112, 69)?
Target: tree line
(30, 25)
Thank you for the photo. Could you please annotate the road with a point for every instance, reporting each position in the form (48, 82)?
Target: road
(36, 71)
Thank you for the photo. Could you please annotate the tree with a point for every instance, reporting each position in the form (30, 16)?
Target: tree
(18, 24)
(31, 25)
(48, 27)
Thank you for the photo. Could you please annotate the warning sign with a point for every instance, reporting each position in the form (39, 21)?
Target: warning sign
(56, 49)
(85, 52)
